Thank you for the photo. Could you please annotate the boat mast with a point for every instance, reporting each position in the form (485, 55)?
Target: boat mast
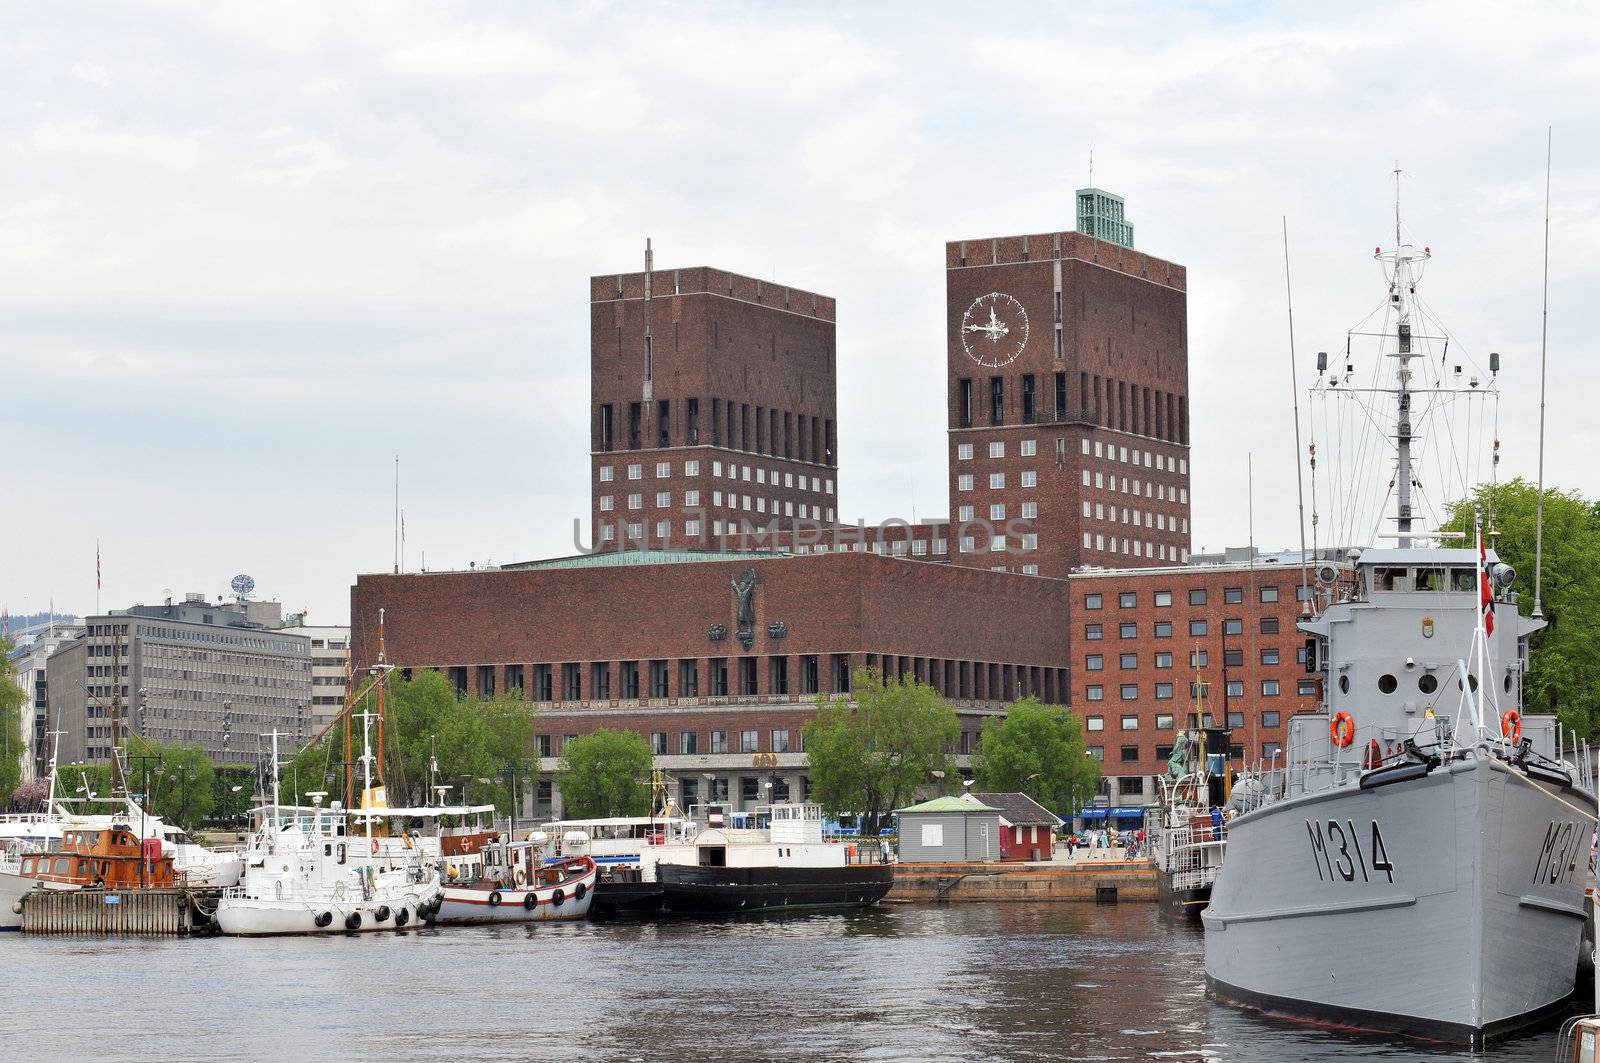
(366, 773)
(1401, 287)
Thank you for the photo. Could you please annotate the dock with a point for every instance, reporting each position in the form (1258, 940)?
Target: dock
(1092, 881)
(126, 913)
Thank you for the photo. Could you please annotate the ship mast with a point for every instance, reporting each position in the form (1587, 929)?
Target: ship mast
(1402, 285)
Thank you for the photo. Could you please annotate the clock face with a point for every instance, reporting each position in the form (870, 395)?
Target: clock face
(994, 330)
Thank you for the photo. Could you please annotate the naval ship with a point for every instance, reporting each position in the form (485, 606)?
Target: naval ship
(1418, 864)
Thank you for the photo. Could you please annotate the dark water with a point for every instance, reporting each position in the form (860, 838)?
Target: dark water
(959, 982)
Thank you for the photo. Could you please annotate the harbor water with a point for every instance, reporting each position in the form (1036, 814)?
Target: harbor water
(915, 982)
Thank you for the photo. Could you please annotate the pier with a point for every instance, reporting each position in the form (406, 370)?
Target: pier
(130, 913)
(1084, 881)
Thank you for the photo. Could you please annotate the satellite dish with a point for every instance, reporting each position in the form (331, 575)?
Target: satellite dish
(242, 585)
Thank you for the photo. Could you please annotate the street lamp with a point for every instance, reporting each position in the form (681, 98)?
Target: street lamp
(939, 775)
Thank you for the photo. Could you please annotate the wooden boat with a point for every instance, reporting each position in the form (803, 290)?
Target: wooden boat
(110, 858)
(513, 884)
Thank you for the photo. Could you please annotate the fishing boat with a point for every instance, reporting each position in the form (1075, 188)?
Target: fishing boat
(787, 865)
(312, 873)
(514, 883)
(1417, 867)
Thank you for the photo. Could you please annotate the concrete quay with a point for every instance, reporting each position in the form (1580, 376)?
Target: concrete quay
(1095, 880)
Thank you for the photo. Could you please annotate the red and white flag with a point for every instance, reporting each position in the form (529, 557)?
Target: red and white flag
(1485, 584)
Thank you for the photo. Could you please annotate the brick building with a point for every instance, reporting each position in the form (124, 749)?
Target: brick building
(1068, 404)
(653, 641)
(1142, 638)
(712, 405)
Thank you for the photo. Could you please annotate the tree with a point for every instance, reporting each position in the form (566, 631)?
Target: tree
(605, 774)
(184, 790)
(32, 795)
(1565, 668)
(873, 757)
(1038, 750)
(13, 748)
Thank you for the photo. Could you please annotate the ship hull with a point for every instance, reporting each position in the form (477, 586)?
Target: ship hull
(726, 890)
(466, 905)
(407, 909)
(628, 898)
(1449, 906)
(1183, 905)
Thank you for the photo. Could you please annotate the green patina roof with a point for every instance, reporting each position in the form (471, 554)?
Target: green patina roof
(621, 558)
(948, 804)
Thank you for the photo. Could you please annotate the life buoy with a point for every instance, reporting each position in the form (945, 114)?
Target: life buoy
(517, 877)
(531, 901)
(495, 899)
(558, 896)
(1342, 729)
(1511, 725)
(1373, 756)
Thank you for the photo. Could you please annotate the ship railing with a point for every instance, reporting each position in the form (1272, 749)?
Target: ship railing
(868, 852)
(1195, 877)
(1314, 762)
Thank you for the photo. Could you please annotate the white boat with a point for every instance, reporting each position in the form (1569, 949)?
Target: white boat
(311, 874)
(515, 884)
(626, 851)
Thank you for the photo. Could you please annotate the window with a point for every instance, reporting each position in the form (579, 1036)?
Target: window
(1233, 659)
(1130, 754)
(543, 743)
(1163, 691)
(1163, 629)
(997, 400)
(964, 482)
(719, 741)
(663, 470)
(1269, 594)
(1164, 723)
(1098, 753)
(1269, 688)
(1233, 626)
(1128, 599)
(964, 513)
(997, 480)
(1129, 692)
(1128, 631)
(1236, 719)
(1030, 510)
(1163, 660)
(605, 474)
(1028, 448)
(691, 498)
(605, 503)
(1198, 627)
(1028, 478)
(749, 741)
(688, 742)
(1092, 632)
(997, 449)
(1270, 750)
(1130, 723)
(963, 451)
(1163, 599)
(1129, 660)
(1307, 688)
(997, 511)
(1094, 693)
(1094, 662)
(1199, 658)
(1236, 688)
(658, 743)
(1269, 656)
(1197, 596)
(1270, 719)
(1093, 601)
(1269, 625)
(663, 499)
(1095, 723)
(635, 501)
(1232, 595)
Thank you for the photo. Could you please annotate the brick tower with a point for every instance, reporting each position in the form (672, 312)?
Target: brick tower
(712, 409)
(1068, 403)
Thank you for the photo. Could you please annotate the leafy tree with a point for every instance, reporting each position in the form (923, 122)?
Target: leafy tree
(1038, 750)
(184, 790)
(32, 795)
(605, 774)
(81, 783)
(1565, 669)
(873, 757)
(13, 748)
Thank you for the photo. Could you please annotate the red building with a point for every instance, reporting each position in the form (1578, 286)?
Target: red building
(1027, 828)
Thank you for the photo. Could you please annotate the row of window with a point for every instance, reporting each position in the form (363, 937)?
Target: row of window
(1116, 404)
(1139, 518)
(1131, 755)
(1166, 722)
(1163, 599)
(1164, 691)
(1135, 547)
(691, 500)
(1162, 629)
(997, 480)
(998, 511)
(1270, 655)
(748, 474)
(688, 742)
(780, 434)
(1139, 488)
(1134, 456)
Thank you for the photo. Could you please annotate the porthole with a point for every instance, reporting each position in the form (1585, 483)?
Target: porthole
(1427, 682)
(1472, 681)
(1508, 683)
(1387, 683)
(1344, 684)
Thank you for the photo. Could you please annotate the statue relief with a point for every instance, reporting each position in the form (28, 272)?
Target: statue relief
(744, 592)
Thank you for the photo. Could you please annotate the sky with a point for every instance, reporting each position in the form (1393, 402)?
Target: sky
(251, 253)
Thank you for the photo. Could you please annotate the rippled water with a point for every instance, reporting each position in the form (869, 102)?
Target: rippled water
(958, 982)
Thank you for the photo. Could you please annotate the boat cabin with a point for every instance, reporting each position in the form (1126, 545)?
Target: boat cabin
(109, 858)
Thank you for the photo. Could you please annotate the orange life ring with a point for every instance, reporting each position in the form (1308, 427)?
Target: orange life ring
(1511, 725)
(1374, 755)
(1342, 729)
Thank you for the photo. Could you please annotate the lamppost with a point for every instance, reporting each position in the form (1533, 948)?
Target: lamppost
(938, 776)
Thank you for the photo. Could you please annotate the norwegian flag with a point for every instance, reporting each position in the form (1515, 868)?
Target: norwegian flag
(1485, 585)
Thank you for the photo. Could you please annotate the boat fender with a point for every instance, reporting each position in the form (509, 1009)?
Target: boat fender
(1511, 725)
(558, 896)
(16, 909)
(402, 917)
(582, 889)
(531, 901)
(1342, 729)
(382, 914)
(352, 921)
(495, 899)
(323, 919)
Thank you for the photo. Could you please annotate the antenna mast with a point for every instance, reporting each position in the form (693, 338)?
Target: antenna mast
(1294, 388)
(1544, 333)
(1400, 290)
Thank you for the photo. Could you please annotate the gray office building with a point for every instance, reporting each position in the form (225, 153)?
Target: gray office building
(188, 673)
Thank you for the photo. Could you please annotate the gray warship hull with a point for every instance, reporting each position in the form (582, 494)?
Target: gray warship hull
(1448, 905)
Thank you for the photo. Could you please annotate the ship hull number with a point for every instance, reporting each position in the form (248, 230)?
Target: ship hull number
(1342, 853)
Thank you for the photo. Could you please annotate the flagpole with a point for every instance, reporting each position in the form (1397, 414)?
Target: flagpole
(97, 577)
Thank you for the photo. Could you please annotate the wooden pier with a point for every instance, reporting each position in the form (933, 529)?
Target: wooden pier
(132, 913)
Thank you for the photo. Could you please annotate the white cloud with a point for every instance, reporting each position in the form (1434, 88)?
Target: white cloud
(247, 253)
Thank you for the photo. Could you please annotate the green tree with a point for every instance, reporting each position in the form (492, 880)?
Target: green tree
(1565, 669)
(13, 747)
(605, 774)
(871, 758)
(183, 791)
(1038, 750)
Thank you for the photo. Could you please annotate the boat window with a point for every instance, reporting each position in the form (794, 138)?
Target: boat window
(713, 856)
(1387, 683)
(63, 866)
(1463, 579)
(1430, 579)
(1428, 683)
(1389, 579)
(27, 866)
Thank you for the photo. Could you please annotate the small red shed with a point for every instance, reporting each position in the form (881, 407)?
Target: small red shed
(1027, 828)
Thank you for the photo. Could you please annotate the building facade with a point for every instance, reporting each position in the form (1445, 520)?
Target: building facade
(1148, 644)
(712, 402)
(330, 656)
(188, 673)
(34, 647)
(718, 660)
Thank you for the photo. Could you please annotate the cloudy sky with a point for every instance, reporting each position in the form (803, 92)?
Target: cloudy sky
(248, 253)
